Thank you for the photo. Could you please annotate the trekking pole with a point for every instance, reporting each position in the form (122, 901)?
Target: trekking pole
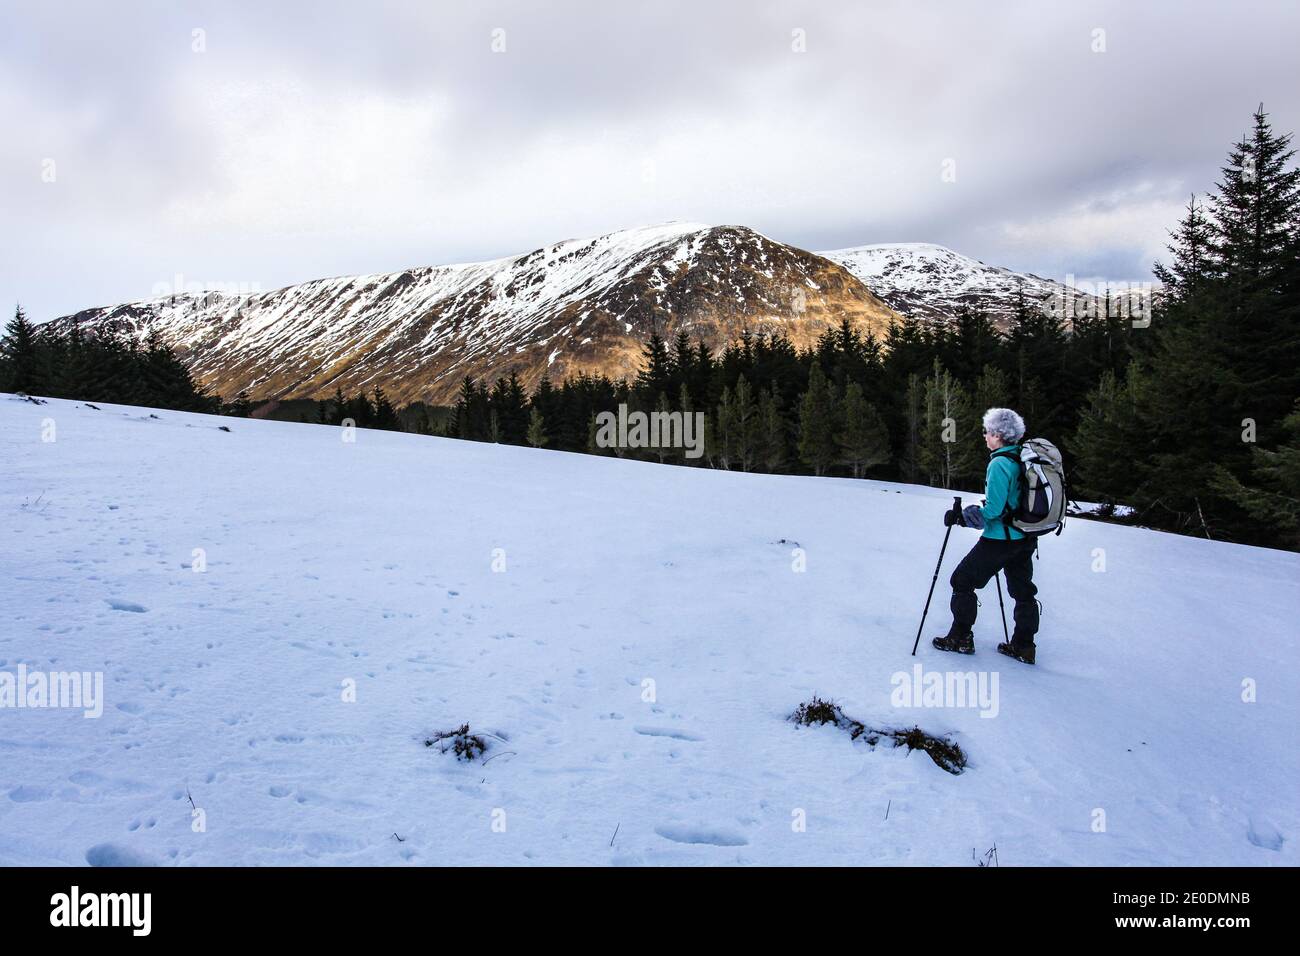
(998, 579)
(956, 507)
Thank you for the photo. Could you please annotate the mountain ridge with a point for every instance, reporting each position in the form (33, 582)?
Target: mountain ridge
(578, 305)
(583, 305)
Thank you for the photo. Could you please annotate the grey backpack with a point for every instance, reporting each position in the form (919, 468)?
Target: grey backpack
(1042, 488)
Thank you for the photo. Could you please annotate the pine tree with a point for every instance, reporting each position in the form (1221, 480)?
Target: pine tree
(241, 407)
(1036, 351)
(1192, 254)
(1255, 208)
(537, 428)
(385, 416)
(469, 416)
(745, 425)
(1107, 450)
(681, 367)
(656, 374)
(19, 359)
(864, 442)
(977, 342)
(724, 434)
(845, 353)
(942, 426)
(1271, 494)
(508, 408)
(773, 450)
(817, 422)
(913, 423)
(1256, 216)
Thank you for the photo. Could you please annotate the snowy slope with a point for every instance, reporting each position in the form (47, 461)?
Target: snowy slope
(580, 305)
(496, 302)
(929, 282)
(372, 562)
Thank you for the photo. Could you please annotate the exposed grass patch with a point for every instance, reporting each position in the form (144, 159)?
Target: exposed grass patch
(461, 742)
(946, 754)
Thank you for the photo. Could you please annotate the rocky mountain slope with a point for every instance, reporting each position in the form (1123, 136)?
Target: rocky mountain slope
(926, 282)
(583, 305)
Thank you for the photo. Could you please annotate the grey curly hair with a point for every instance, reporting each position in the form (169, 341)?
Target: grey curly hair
(1004, 423)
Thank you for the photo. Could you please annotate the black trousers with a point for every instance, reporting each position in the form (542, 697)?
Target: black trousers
(990, 555)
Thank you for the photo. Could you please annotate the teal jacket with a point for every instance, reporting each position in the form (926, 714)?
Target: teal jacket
(1001, 489)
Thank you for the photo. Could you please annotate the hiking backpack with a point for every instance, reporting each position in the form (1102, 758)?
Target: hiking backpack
(1042, 489)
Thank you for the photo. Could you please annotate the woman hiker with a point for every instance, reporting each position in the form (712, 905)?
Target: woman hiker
(1002, 547)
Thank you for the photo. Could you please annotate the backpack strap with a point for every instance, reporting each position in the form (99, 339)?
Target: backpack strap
(1007, 511)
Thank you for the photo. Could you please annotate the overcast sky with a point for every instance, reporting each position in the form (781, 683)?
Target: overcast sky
(286, 142)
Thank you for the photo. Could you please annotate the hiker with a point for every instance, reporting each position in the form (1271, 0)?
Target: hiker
(1002, 546)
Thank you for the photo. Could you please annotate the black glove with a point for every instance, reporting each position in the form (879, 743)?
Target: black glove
(972, 517)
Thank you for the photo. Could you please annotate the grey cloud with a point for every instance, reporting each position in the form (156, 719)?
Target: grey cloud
(497, 153)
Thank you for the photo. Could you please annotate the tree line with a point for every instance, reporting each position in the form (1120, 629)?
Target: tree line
(107, 365)
(101, 366)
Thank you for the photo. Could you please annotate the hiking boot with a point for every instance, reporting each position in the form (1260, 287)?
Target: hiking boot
(1021, 652)
(957, 643)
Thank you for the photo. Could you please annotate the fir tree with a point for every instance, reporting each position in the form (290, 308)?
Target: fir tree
(745, 425)
(913, 423)
(537, 428)
(19, 360)
(945, 405)
(385, 416)
(1191, 251)
(656, 374)
(1271, 493)
(724, 434)
(241, 407)
(817, 422)
(773, 449)
(864, 442)
(1107, 449)
(991, 390)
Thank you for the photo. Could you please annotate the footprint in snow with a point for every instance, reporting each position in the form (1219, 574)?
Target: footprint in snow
(118, 605)
(1263, 833)
(112, 854)
(705, 835)
(666, 732)
(28, 794)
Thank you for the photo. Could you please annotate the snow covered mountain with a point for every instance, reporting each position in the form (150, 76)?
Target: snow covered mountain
(583, 305)
(275, 650)
(926, 282)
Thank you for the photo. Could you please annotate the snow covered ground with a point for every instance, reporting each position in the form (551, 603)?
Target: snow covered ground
(331, 565)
